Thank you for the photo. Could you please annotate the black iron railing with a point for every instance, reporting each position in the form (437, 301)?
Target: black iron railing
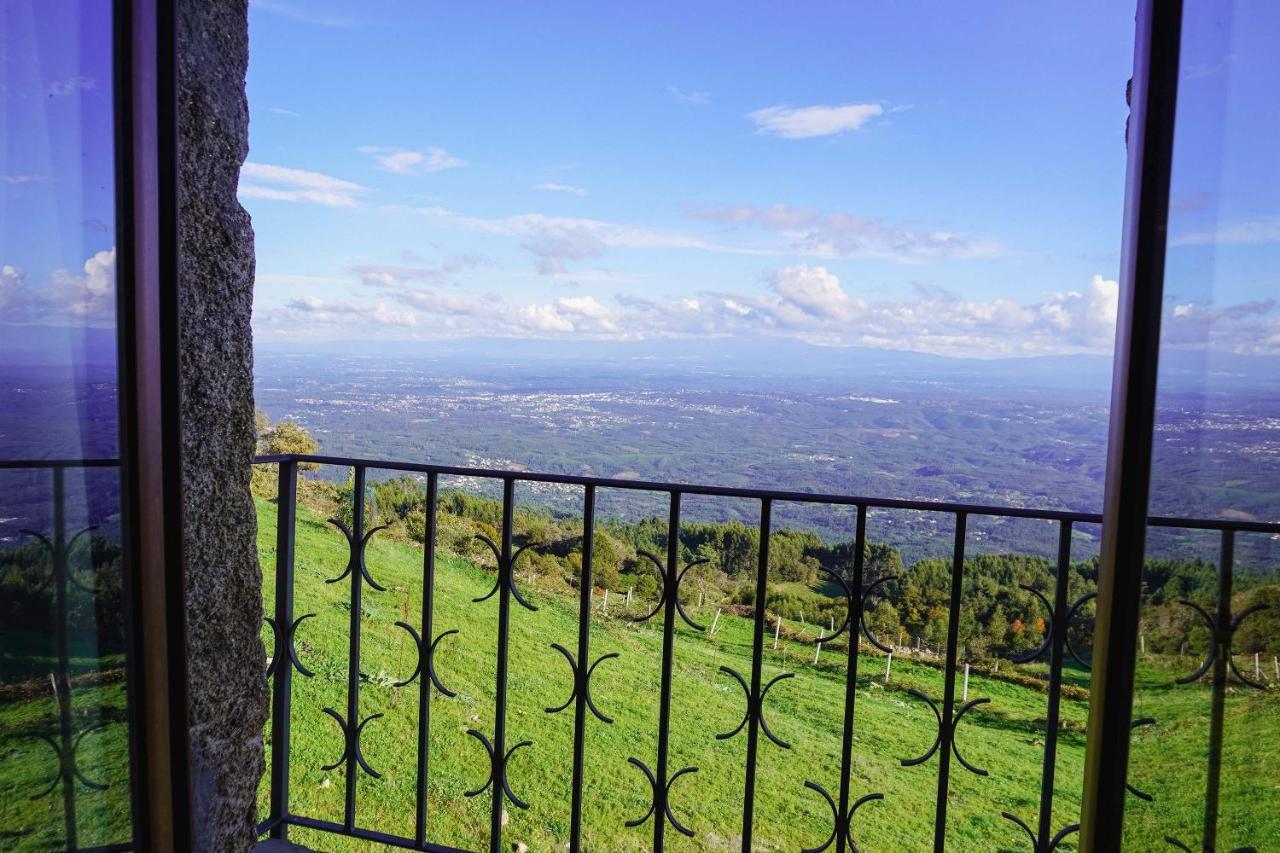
(69, 777)
(71, 780)
(663, 779)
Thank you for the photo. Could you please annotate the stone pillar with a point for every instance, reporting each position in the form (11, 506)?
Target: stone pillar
(227, 691)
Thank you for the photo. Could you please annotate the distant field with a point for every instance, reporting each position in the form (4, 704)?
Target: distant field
(1004, 737)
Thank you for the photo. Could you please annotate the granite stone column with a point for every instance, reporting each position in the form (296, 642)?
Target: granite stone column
(227, 690)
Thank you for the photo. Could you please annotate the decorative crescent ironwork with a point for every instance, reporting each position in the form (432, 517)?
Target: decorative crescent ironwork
(53, 557)
(1222, 636)
(510, 572)
(669, 588)
(67, 764)
(755, 707)
(848, 598)
(283, 646)
(951, 728)
(427, 658)
(666, 798)
(356, 560)
(351, 741)
(842, 825)
(1052, 843)
(1129, 786)
(866, 596)
(582, 683)
(1071, 615)
(1027, 657)
(497, 769)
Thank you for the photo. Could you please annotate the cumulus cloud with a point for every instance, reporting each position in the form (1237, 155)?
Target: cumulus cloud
(282, 183)
(845, 235)
(553, 187)
(82, 296)
(803, 301)
(18, 179)
(413, 162)
(815, 292)
(90, 292)
(1248, 328)
(791, 122)
(810, 303)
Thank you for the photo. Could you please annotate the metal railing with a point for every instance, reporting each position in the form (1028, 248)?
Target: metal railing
(662, 778)
(70, 725)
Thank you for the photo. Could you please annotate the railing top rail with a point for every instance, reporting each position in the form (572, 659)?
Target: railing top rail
(1239, 525)
(12, 464)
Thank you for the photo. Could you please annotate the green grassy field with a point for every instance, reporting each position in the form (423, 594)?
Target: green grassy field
(1004, 737)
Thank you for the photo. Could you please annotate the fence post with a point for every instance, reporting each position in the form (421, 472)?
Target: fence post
(888, 665)
(817, 650)
(964, 694)
(777, 629)
(281, 688)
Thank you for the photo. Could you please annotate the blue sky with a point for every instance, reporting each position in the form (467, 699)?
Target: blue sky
(938, 177)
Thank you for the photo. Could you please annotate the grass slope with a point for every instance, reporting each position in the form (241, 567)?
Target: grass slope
(1004, 737)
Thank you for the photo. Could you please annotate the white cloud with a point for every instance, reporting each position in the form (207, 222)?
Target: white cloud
(845, 235)
(552, 187)
(18, 179)
(570, 314)
(83, 296)
(1254, 232)
(556, 240)
(413, 162)
(808, 122)
(90, 293)
(351, 313)
(815, 292)
(12, 283)
(281, 111)
(282, 183)
(697, 99)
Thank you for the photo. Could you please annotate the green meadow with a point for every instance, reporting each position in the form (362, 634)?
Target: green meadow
(1005, 736)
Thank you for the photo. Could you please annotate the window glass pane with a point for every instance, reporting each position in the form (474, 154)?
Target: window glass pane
(64, 769)
(1203, 755)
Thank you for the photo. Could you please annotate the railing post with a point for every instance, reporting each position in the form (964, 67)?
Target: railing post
(754, 700)
(949, 686)
(584, 657)
(286, 512)
(353, 656)
(425, 672)
(62, 678)
(851, 678)
(1221, 650)
(1057, 649)
(505, 572)
(668, 655)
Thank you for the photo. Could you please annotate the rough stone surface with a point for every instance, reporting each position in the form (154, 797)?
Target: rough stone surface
(227, 698)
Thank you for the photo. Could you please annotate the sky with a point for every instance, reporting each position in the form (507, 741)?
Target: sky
(939, 177)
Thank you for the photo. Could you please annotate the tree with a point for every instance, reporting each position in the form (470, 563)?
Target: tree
(280, 439)
(289, 437)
